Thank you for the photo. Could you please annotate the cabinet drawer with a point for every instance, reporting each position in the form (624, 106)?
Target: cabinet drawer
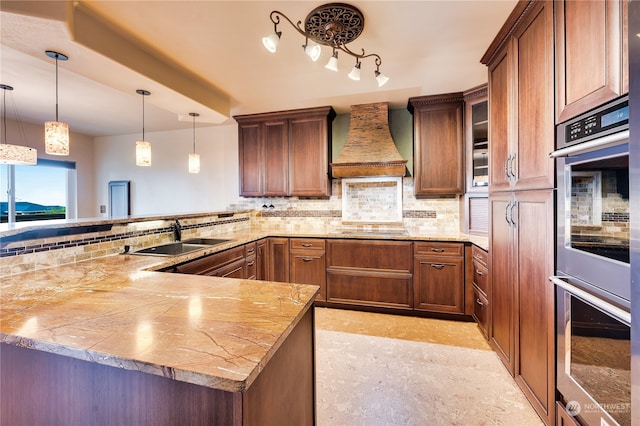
(370, 289)
(479, 255)
(387, 256)
(231, 270)
(481, 311)
(439, 249)
(481, 277)
(206, 264)
(250, 249)
(306, 244)
(251, 266)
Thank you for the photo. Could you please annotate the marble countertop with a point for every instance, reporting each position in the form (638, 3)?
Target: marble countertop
(214, 332)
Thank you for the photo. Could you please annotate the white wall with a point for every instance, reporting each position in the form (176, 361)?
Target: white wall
(80, 151)
(167, 186)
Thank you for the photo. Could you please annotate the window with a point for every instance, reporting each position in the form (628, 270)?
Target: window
(42, 192)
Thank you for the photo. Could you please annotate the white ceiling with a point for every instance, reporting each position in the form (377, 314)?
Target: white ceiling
(427, 47)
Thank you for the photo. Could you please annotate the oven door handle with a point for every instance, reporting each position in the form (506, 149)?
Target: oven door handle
(603, 142)
(607, 307)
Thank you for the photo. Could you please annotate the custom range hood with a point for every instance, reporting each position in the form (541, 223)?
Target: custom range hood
(369, 149)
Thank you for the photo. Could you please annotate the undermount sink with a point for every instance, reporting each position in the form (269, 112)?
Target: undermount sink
(181, 247)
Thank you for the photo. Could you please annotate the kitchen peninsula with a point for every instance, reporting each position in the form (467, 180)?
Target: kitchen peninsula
(107, 341)
(106, 336)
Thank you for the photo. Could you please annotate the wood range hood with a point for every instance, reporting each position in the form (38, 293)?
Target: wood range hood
(369, 149)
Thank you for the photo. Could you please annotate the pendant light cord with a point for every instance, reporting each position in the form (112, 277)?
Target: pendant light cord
(4, 116)
(194, 134)
(143, 116)
(56, 87)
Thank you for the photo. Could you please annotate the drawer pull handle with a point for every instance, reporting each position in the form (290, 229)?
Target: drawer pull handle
(479, 272)
(437, 250)
(437, 265)
(250, 250)
(479, 302)
(307, 245)
(251, 263)
(477, 256)
(307, 259)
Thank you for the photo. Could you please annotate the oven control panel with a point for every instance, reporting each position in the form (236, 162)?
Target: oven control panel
(602, 121)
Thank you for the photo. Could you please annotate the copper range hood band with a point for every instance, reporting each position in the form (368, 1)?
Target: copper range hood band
(387, 168)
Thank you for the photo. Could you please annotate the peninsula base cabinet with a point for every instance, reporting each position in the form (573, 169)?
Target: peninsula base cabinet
(50, 389)
(521, 257)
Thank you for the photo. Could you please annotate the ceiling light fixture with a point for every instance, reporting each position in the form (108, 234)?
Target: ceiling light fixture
(194, 159)
(143, 148)
(334, 25)
(56, 133)
(13, 154)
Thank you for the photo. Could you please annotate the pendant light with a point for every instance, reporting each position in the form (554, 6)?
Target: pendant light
(194, 159)
(143, 148)
(56, 133)
(13, 154)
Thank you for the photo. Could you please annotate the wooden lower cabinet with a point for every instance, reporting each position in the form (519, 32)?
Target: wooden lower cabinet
(262, 259)
(229, 263)
(278, 260)
(439, 284)
(369, 273)
(563, 418)
(522, 299)
(307, 263)
(480, 282)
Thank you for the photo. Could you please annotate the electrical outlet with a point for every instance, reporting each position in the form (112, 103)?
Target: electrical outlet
(103, 208)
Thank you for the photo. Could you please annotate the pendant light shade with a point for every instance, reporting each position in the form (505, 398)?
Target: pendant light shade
(13, 154)
(56, 133)
(143, 148)
(56, 138)
(194, 159)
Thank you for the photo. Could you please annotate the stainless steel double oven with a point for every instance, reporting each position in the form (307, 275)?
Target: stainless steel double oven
(593, 289)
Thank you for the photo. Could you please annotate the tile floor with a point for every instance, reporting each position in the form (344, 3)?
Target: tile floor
(376, 369)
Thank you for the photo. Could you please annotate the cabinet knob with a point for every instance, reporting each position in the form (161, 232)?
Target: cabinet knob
(437, 265)
(479, 272)
(479, 302)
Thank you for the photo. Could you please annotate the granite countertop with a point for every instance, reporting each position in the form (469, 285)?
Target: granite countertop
(117, 311)
(214, 332)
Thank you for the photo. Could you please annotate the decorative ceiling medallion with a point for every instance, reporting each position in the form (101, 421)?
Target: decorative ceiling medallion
(334, 24)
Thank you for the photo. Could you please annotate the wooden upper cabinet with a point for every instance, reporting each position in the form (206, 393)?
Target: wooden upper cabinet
(438, 144)
(591, 54)
(476, 121)
(309, 156)
(276, 151)
(251, 156)
(521, 102)
(285, 153)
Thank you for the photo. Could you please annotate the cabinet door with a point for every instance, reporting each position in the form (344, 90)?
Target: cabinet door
(476, 122)
(531, 166)
(262, 259)
(308, 267)
(439, 284)
(535, 365)
(309, 157)
(251, 159)
(502, 294)
(500, 103)
(438, 148)
(481, 311)
(279, 260)
(276, 154)
(591, 56)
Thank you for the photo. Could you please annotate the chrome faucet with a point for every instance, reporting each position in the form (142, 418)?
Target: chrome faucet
(177, 230)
